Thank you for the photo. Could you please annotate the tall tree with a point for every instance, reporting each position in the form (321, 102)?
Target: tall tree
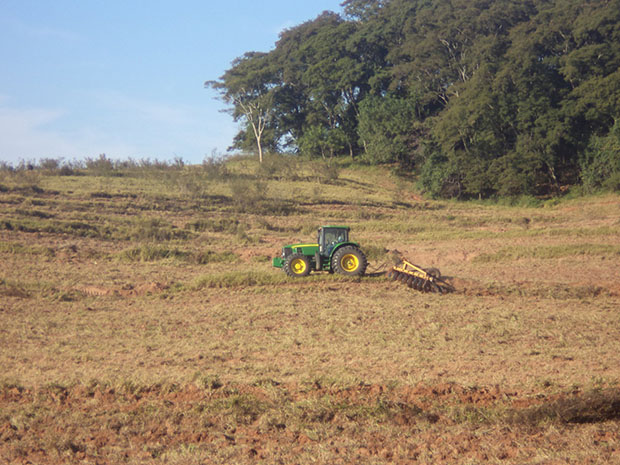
(488, 97)
(362, 10)
(251, 87)
(321, 64)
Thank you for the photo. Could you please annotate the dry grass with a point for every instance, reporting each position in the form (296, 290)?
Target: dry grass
(142, 323)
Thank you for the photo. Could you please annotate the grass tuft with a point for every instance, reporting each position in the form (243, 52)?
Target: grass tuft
(155, 253)
(219, 225)
(548, 252)
(12, 289)
(238, 279)
(156, 229)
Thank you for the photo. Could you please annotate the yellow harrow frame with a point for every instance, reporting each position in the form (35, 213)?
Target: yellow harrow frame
(418, 278)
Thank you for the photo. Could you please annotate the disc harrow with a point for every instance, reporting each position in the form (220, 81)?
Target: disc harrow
(418, 278)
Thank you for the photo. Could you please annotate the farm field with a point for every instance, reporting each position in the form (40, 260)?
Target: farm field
(141, 322)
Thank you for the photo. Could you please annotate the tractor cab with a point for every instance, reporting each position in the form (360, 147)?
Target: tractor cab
(330, 236)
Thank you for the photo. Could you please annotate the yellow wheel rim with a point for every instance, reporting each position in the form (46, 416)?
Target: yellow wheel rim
(349, 262)
(298, 266)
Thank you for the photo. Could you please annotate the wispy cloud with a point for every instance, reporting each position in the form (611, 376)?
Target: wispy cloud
(25, 134)
(21, 28)
(22, 135)
(148, 111)
(112, 123)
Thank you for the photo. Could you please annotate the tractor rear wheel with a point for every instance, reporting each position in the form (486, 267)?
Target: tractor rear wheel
(349, 261)
(297, 265)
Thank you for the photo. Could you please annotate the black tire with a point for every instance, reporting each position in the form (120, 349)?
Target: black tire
(349, 261)
(297, 265)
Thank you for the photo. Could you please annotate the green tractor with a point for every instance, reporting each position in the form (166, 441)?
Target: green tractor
(333, 252)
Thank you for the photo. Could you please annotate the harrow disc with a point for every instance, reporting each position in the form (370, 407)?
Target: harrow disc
(418, 278)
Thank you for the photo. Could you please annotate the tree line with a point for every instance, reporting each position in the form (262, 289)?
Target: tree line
(479, 98)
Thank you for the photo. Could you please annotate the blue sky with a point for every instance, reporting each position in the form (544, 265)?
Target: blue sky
(125, 78)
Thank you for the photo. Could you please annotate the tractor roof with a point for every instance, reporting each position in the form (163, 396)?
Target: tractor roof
(337, 227)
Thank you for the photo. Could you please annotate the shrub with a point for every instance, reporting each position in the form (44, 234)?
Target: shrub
(600, 164)
(155, 229)
(227, 225)
(101, 166)
(239, 279)
(280, 167)
(247, 194)
(325, 172)
(191, 183)
(150, 253)
(209, 256)
(154, 253)
(215, 168)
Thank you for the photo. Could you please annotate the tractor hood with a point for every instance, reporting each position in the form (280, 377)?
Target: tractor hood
(305, 249)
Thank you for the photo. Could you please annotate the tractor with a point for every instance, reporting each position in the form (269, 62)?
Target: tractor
(333, 252)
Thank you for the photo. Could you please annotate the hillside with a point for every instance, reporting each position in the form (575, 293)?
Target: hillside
(141, 321)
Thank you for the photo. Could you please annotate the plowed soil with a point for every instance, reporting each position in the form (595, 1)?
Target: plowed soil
(361, 424)
(143, 328)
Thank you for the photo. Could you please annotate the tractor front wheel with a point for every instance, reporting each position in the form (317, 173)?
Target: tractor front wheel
(349, 261)
(297, 265)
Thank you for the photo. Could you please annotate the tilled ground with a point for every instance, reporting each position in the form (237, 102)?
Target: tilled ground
(139, 328)
(274, 423)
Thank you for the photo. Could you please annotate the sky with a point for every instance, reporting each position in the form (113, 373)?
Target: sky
(126, 78)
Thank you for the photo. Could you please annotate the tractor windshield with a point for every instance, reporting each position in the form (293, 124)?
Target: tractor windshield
(331, 237)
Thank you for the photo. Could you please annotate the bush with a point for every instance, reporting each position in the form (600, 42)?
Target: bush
(238, 279)
(439, 177)
(22, 179)
(227, 225)
(154, 229)
(150, 253)
(385, 128)
(101, 166)
(215, 168)
(6, 167)
(280, 167)
(325, 172)
(50, 164)
(191, 183)
(600, 164)
(153, 253)
(247, 194)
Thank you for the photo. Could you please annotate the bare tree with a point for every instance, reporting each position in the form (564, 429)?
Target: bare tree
(255, 115)
(248, 87)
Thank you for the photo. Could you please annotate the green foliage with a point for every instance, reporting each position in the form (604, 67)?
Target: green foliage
(226, 225)
(155, 229)
(600, 164)
(321, 141)
(280, 167)
(238, 279)
(387, 129)
(325, 172)
(247, 194)
(548, 252)
(153, 253)
(215, 168)
(485, 99)
(101, 166)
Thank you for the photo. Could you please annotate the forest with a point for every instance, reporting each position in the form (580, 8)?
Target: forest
(477, 99)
